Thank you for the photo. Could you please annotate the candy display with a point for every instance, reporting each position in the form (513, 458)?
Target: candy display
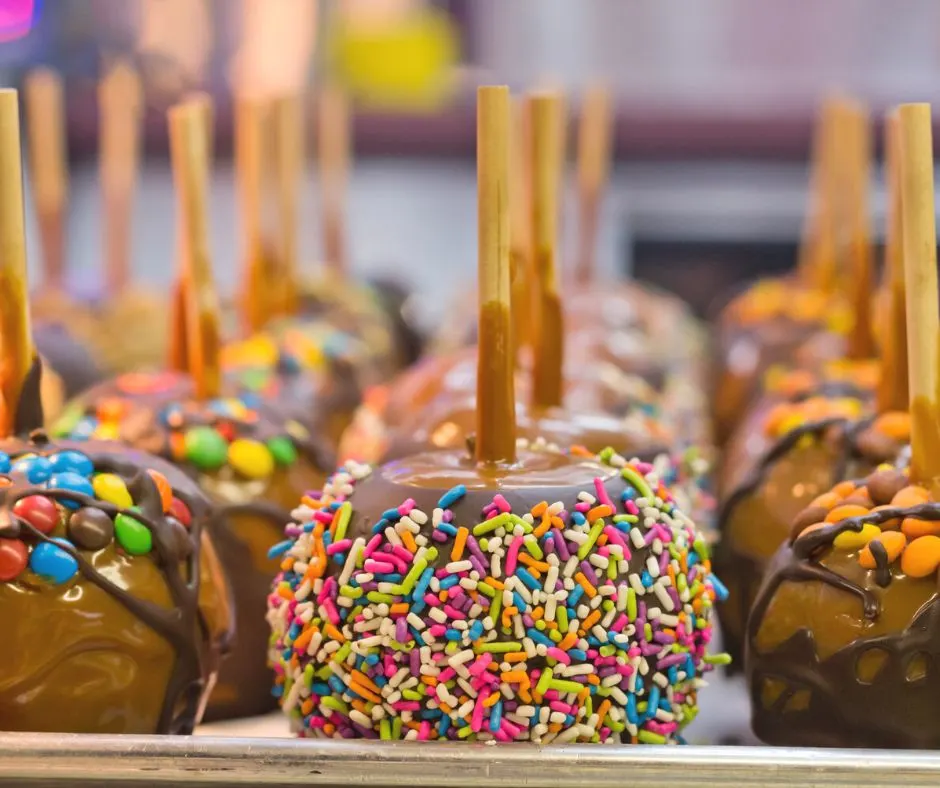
(492, 595)
(103, 550)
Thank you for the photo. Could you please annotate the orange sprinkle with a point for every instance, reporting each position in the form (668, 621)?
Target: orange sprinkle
(494, 583)
(513, 656)
(602, 711)
(360, 705)
(602, 510)
(306, 707)
(400, 609)
(602, 540)
(333, 632)
(431, 681)
(593, 617)
(538, 613)
(568, 641)
(529, 561)
(582, 581)
(363, 679)
(539, 509)
(445, 708)
(543, 526)
(554, 727)
(287, 564)
(490, 700)
(285, 592)
(515, 677)
(460, 542)
(408, 541)
(443, 596)
(329, 728)
(304, 638)
(365, 692)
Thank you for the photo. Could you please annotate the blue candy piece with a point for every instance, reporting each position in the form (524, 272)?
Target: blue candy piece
(37, 469)
(72, 482)
(4, 462)
(84, 429)
(52, 563)
(72, 461)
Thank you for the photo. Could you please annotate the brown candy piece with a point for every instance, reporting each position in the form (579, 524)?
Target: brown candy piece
(884, 485)
(91, 528)
(810, 515)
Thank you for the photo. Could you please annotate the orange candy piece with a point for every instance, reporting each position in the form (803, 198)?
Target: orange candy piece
(922, 557)
(827, 500)
(810, 528)
(894, 543)
(912, 527)
(844, 512)
(895, 424)
(888, 525)
(163, 485)
(844, 489)
(912, 495)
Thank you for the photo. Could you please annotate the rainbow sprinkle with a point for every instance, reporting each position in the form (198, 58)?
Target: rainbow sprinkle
(584, 620)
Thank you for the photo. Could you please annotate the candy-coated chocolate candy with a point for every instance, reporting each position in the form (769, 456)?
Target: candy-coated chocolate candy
(13, 559)
(37, 469)
(133, 535)
(250, 459)
(283, 450)
(72, 482)
(205, 448)
(111, 489)
(164, 488)
(91, 528)
(52, 563)
(73, 461)
(181, 512)
(4, 462)
(39, 511)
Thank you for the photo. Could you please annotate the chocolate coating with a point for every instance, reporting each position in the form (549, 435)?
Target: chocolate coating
(841, 656)
(131, 643)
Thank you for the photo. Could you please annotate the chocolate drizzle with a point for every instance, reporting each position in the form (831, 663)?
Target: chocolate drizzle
(180, 625)
(839, 705)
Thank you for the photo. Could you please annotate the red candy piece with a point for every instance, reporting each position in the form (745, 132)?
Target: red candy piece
(13, 559)
(226, 430)
(181, 512)
(166, 491)
(39, 511)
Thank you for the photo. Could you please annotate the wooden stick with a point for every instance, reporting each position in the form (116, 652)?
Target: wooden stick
(810, 265)
(893, 383)
(45, 117)
(249, 157)
(520, 241)
(594, 155)
(547, 151)
(860, 273)
(496, 396)
(920, 268)
(18, 354)
(289, 154)
(188, 144)
(333, 155)
(119, 113)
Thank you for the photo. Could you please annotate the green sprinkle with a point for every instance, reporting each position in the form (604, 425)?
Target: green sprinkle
(342, 652)
(637, 481)
(377, 597)
(452, 647)
(555, 635)
(515, 519)
(648, 737)
(561, 615)
(595, 531)
(544, 680)
(491, 525)
(607, 650)
(486, 590)
(396, 727)
(540, 624)
(332, 702)
(717, 659)
(484, 544)
(342, 517)
(410, 694)
(500, 648)
(562, 685)
(648, 631)
(495, 606)
(350, 592)
(532, 545)
(631, 604)
(616, 727)
(682, 582)
(431, 555)
(702, 549)
(465, 732)
(626, 518)
(413, 574)
(612, 569)
(385, 730)
(607, 605)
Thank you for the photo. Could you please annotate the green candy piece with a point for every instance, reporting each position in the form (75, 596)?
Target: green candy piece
(205, 448)
(133, 535)
(68, 420)
(283, 449)
(254, 378)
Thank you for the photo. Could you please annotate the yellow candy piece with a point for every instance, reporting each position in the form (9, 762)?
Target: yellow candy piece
(250, 458)
(107, 431)
(852, 540)
(111, 488)
(790, 423)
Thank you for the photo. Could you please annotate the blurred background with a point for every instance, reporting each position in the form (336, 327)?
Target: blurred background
(714, 109)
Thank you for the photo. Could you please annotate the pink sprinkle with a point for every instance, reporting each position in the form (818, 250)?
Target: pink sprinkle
(613, 535)
(664, 536)
(446, 675)
(406, 705)
(631, 508)
(501, 735)
(372, 545)
(509, 727)
(479, 665)
(316, 721)
(582, 506)
(328, 590)
(564, 708)
(624, 670)
(331, 613)
(601, 491)
(402, 553)
(390, 667)
(511, 555)
(424, 730)
(406, 507)
(619, 623)
(322, 516)
(432, 600)
(339, 547)
(400, 566)
(556, 653)
(501, 503)
(379, 567)
(551, 695)
(454, 613)
(476, 719)
(437, 630)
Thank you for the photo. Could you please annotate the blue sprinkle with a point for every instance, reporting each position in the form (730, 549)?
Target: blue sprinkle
(52, 563)
(518, 601)
(449, 582)
(693, 559)
(526, 577)
(421, 586)
(443, 725)
(372, 659)
(451, 497)
(72, 482)
(496, 716)
(414, 632)
(380, 681)
(4, 462)
(327, 539)
(417, 607)
(476, 630)
(578, 518)
(36, 469)
(447, 528)
(577, 653)
(653, 702)
(646, 579)
(592, 641)
(576, 593)
(673, 674)
(277, 690)
(336, 685)
(339, 558)
(308, 527)
(320, 688)
(628, 495)
(721, 590)
(391, 514)
(631, 709)
(380, 526)
(71, 460)
(280, 548)
(538, 637)
(453, 634)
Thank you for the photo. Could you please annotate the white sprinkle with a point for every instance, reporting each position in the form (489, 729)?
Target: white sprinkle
(578, 537)
(555, 508)
(418, 516)
(617, 694)
(669, 620)
(415, 621)
(438, 615)
(455, 567)
(663, 597)
(652, 566)
(636, 537)
(392, 536)
(437, 517)
(598, 561)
